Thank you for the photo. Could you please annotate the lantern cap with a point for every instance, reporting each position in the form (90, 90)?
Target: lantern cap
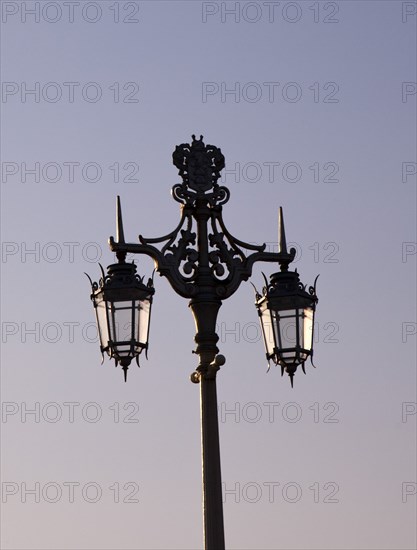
(120, 272)
(285, 279)
(286, 283)
(122, 277)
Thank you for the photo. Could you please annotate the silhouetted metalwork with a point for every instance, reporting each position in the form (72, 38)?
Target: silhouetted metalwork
(206, 264)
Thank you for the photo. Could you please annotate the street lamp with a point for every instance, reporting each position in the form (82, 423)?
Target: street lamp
(204, 263)
(286, 312)
(122, 303)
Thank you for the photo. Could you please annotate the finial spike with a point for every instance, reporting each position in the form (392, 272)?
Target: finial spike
(291, 374)
(120, 237)
(125, 372)
(282, 243)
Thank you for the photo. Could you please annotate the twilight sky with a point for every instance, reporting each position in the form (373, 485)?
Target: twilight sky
(313, 105)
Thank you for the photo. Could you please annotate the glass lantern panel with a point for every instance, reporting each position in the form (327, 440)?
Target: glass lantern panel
(102, 325)
(121, 329)
(267, 328)
(286, 330)
(143, 308)
(307, 332)
(300, 320)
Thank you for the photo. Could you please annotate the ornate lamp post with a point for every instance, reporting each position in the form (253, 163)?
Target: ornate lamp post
(204, 263)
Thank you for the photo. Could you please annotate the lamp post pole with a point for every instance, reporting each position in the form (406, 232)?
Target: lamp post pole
(204, 263)
(205, 308)
(210, 447)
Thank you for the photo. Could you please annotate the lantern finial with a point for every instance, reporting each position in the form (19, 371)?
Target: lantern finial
(282, 243)
(125, 369)
(120, 237)
(285, 257)
(119, 222)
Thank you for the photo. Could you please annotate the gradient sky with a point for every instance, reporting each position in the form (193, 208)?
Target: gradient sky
(330, 464)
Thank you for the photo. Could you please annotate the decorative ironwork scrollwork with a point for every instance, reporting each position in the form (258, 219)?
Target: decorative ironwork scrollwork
(177, 255)
(199, 166)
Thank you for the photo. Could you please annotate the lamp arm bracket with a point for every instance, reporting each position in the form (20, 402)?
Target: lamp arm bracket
(170, 237)
(165, 265)
(234, 241)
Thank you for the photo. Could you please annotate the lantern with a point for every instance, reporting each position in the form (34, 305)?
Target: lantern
(122, 303)
(286, 312)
